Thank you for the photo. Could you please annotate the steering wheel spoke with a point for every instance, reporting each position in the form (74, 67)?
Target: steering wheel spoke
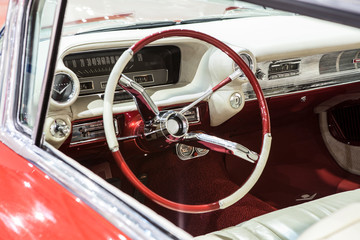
(207, 94)
(221, 145)
(144, 103)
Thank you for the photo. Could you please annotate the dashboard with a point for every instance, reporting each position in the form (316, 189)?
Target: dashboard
(176, 71)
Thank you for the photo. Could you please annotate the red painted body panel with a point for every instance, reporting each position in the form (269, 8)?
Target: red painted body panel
(3, 10)
(34, 206)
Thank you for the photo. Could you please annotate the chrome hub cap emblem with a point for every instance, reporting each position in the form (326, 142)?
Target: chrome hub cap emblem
(174, 125)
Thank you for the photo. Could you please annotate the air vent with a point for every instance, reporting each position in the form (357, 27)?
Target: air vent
(346, 60)
(281, 69)
(328, 63)
(344, 122)
(338, 61)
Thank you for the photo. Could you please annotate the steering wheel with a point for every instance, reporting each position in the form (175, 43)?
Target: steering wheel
(172, 127)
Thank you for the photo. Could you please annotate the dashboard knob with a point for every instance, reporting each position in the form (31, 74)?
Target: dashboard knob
(260, 75)
(59, 128)
(236, 100)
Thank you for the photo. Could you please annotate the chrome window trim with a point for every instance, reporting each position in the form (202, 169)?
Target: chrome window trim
(16, 84)
(10, 78)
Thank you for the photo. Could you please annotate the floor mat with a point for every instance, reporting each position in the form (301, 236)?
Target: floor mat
(299, 168)
(198, 181)
(294, 184)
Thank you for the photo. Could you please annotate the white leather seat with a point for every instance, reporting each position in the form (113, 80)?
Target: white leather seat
(343, 224)
(287, 223)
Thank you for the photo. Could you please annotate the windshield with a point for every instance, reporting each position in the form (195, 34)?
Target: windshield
(84, 16)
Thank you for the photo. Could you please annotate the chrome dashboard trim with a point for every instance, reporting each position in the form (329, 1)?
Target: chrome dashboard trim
(92, 85)
(309, 78)
(143, 75)
(196, 112)
(338, 61)
(99, 82)
(284, 73)
(356, 63)
(250, 59)
(90, 140)
(250, 95)
(122, 91)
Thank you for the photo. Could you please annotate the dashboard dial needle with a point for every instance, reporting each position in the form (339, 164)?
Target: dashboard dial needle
(62, 90)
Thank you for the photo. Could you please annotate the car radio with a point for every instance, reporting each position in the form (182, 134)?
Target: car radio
(90, 132)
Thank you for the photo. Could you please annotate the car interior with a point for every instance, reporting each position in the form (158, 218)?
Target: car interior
(261, 111)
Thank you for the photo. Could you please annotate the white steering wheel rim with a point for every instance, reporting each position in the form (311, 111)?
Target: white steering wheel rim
(114, 147)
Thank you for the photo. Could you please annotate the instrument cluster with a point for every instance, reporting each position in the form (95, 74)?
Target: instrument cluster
(86, 73)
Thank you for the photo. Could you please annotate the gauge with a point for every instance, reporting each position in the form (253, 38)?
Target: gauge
(184, 152)
(201, 151)
(63, 88)
(248, 61)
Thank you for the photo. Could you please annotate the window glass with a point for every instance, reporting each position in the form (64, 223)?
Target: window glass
(37, 49)
(89, 16)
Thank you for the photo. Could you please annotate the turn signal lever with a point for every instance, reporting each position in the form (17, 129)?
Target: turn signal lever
(144, 103)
